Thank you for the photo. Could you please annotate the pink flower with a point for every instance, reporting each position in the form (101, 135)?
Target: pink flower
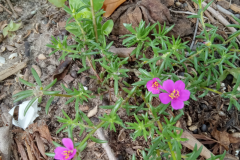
(153, 86)
(62, 153)
(176, 94)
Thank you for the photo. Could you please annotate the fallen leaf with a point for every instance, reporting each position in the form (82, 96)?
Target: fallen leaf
(10, 48)
(109, 6)
(191, 143)
(40, 145)
(30, 155)
(234, 138)
(93, 112)
(123, 52)
(222, 137)
(37, 69)
(41, 57)
(68, 79)
(62, 69)
(21, 150)
(44, 132)
(122, 135)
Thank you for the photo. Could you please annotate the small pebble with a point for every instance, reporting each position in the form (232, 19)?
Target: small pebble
(181, 73)
(44, 20)
(85, 80)
(27, 49)
(105, 102)
(41, 57)
(230, 10)
(237, 15)
(120, 157)
(204, 128)
(195, 131)
(229, 77)
(73, 74)
(184, 5)
(178, 4)
(204, 107)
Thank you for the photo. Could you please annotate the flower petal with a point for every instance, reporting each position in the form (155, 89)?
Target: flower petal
(164, 98)
(177, 104)
(149, 84)
(179, 85)
(67, 142)
(168, 85)
(59, 153)
(152, 89)
(184, 95)
(73, 154)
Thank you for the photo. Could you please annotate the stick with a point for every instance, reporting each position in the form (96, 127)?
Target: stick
(6, 9)
(10, 71)
(105, 146)
(10, 5)
(212, 20)
(218, 16)
(194, 36)
(223, 10)
(234, 7)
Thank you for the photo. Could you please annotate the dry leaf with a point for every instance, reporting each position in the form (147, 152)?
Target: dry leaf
(122, 135)
(21, 150)
(62, 69)
(37, 69)
(44, 132)
(93, 112)
(30, 155)
(110, 6)
(40, 145)
(123, 52)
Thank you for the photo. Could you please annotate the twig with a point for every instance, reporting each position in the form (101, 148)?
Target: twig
(6, 9)
(190, 13)
(10, 5)
(217, 15)
(223, 10)
(212, 20)
(105, 146)
(194, 36)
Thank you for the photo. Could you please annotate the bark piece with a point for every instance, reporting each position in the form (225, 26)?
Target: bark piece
(12, 70)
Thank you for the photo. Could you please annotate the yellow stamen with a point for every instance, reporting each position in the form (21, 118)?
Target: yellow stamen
(67, 154)
(174, 94)
(155, 85)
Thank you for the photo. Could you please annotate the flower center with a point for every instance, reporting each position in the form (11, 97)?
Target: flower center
(155, 85)
(174, 94)
(67, 153)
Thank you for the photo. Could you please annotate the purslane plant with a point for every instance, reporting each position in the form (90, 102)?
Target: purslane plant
(209, 64)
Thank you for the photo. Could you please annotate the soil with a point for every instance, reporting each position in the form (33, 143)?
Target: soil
(44, 20)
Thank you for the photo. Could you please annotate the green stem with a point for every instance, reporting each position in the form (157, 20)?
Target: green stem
(94, 69)
(94, 20)
(62, 95)
(90, 134)
(172, 152)
(80, 26)
(213, 90)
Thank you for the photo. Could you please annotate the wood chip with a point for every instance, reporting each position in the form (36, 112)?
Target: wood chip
(21, 150)
(12, 70)
(40, 145)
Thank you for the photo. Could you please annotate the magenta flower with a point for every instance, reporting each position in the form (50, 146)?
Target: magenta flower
(62, 153)
(153, 86)
(176, 94)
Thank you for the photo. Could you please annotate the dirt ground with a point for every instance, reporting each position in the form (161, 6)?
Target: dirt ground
(41, 20)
